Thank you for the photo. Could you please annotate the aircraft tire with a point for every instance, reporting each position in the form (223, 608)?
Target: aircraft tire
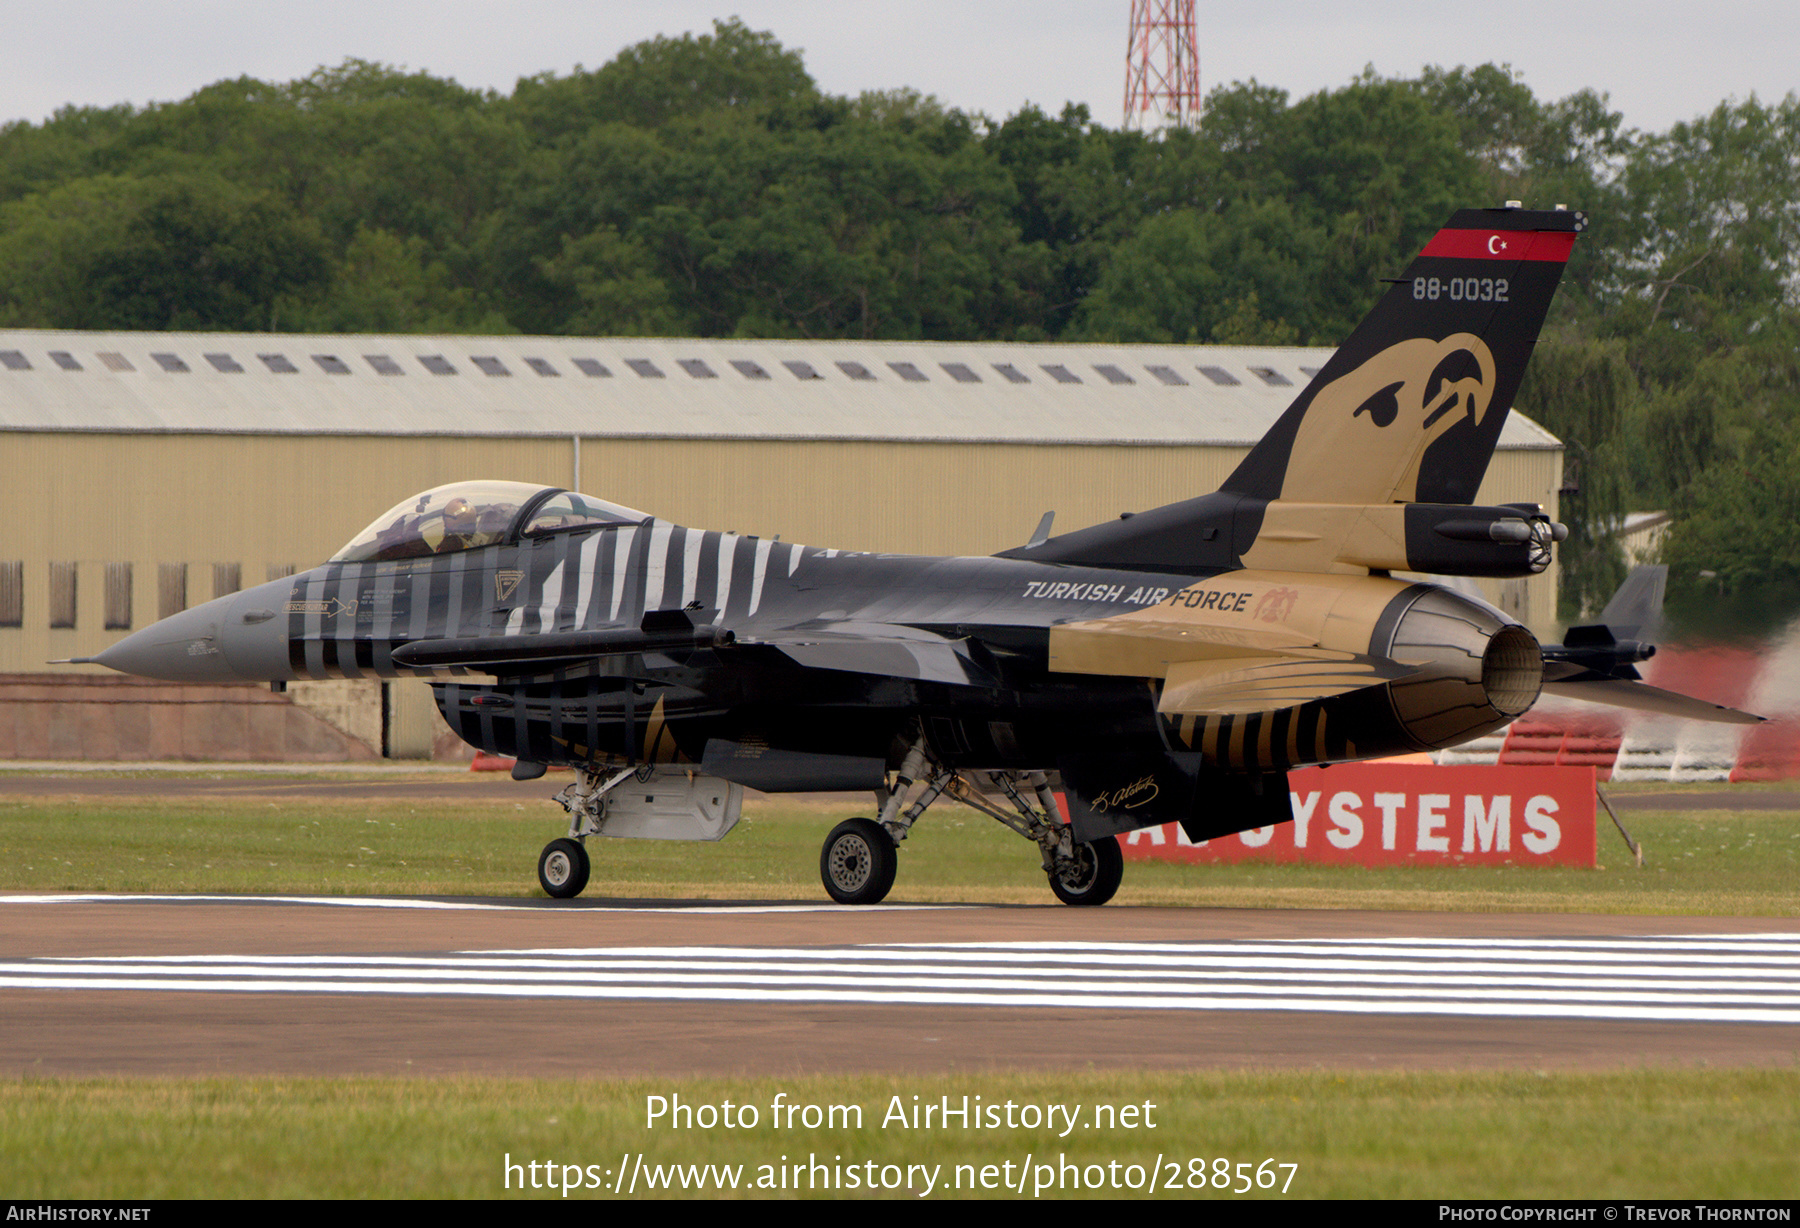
(563, 869)
(1093, 876)
(858, 862)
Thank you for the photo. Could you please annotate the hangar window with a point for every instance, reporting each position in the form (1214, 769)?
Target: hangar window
(1220, 376)
(170, 362)
(227, 578)
(907, 372)
(960, 372)
(1060, 373)
(697, 368)
(490, 365)
(645, 368)
(437, 364)
(591, 367)
(855, 370)
(278, 571)
(1112, 374)
(171, 589)
(384, 365)
(1011, 373)
(62, 595)
(225, 363)
(1272, 377)
(802, 370)
(748, 369)
(115, 362)
(65, 360)
(1168, 375)
(118, 597)
(12, 594)
(13, 360)
(1310, 372)
(278, 363)
(331, 364)
(542, 366)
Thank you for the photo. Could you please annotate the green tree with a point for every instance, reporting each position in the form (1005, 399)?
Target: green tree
(1733, 549)
(662, 79)
(384, 283)
(1578, 389)
(172, 252)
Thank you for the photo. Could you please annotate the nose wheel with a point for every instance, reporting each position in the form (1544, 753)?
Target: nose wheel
(563, 869)
(858, 862)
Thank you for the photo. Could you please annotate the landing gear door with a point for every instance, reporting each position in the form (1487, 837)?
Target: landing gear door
(673, 806)
(1109, 795)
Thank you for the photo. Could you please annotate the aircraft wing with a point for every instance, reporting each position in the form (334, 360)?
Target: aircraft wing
(880, 649)
(1143, 647)
(1234, 685)
(1216, 670)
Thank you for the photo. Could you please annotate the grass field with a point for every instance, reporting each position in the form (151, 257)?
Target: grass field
(1627, 1134)
(1624, 1133)
(1698, 862)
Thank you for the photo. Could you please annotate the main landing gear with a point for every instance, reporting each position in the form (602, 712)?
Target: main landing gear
(860, 857)
(858, 862)
(1091, 876)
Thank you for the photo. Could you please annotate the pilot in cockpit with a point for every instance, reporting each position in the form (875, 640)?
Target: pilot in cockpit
(461, 526)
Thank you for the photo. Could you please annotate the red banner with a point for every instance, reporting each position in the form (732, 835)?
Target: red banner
(1392, 814)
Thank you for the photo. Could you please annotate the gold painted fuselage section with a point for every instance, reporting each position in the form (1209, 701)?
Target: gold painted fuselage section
(1266, 669)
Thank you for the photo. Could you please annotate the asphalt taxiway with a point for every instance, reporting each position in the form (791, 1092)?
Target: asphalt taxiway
(100, 985)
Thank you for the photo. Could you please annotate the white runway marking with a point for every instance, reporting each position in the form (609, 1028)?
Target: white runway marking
(1751, 978)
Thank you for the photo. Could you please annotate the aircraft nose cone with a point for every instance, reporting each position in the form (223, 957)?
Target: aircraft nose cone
(185, 647)
(237, 638)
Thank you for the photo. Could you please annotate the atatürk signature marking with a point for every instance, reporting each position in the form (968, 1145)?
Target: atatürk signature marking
(1128, 797)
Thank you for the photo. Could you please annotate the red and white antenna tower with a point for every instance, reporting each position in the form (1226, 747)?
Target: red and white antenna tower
(1162, 67)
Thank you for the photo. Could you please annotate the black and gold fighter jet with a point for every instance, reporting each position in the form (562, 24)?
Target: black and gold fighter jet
(1170, 665)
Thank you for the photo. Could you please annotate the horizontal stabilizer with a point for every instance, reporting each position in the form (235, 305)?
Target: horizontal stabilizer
(1642, 697)
(1258, 684)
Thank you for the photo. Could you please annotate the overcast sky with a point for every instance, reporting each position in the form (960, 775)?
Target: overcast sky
(1659, 61)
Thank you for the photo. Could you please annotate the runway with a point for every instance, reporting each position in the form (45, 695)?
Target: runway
(95, 985)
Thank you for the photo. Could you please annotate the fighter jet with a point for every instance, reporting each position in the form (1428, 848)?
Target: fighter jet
(1167, 666)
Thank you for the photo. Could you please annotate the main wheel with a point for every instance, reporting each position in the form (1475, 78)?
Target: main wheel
(1092, 875)
(858, 862)
(563, 869)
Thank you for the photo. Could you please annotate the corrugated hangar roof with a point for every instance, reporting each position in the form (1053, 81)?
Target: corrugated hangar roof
(901, 391)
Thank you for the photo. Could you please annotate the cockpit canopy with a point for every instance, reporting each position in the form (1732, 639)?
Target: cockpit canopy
(464, 515)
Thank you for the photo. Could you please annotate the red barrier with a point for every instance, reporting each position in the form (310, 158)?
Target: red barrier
(1390, 814)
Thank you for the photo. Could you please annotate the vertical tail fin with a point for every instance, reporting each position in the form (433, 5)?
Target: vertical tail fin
(1406, 412)
(1411, 405)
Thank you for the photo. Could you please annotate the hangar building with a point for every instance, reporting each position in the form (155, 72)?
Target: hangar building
(146, 472)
